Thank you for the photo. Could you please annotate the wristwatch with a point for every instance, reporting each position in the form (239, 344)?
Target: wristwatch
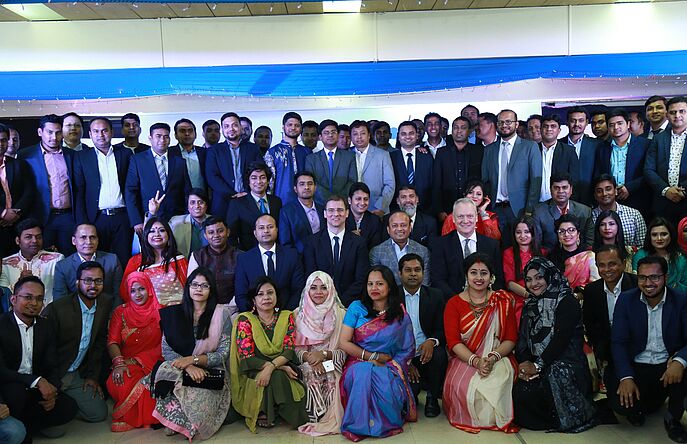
(196, 360)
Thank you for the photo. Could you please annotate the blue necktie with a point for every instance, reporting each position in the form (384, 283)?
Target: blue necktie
(331, 171)
(409, 167)
(263, 208)
(336, 250)
(270, 264)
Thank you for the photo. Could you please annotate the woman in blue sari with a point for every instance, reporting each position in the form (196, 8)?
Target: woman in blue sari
(377, 336)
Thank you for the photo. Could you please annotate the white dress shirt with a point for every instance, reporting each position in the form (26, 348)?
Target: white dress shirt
(263, 257)
(413, 157)
(26, 334)
(509, 149)
(612, 298)
(331, 239)
(360, 157)
(472, 242)
(547, 166)
(110, 196)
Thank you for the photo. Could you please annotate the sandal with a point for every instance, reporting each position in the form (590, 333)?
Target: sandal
(263, 422)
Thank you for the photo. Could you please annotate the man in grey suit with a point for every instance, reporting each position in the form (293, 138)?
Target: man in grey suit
(399, 244)
(511, 172)
(547, 212)
(85, 239)
(334, 169)
(374, 168)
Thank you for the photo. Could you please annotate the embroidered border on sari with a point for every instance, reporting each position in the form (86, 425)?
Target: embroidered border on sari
(129, 402)
(411, 415)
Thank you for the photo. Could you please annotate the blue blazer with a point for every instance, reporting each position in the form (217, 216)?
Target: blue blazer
(345, 173)
(634, 170)
(202, 153)
(142, 182)
(219, 172)
(656, 164)
(34, 157)
(88, 184)
(629, 332)
(424, 167)
(587, 160)
(288, 273)
(294, 228)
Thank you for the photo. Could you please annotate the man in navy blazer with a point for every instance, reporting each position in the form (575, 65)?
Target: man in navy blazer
(340, 253)
(649, 346)
(585, 148)
(102, 204)
(195, 156)
(144, 179)
(286, 268)
(55, 206)
(669, 192)
(301, 219)
(226, 164)
(334, 168)
(447, 252)
(630, 150)
(557, 157)
(421, 165)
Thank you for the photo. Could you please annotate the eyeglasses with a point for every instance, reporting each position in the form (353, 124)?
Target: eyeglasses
(89, 281)
(196, 286)
(571, 230)
(505, 122)
(652, 277)
(31, 298)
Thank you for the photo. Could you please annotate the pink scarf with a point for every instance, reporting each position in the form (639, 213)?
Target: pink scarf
(315, 324)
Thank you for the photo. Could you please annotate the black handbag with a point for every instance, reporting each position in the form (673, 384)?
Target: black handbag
(214, 379)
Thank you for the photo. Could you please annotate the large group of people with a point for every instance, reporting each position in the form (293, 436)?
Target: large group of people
(326, 281)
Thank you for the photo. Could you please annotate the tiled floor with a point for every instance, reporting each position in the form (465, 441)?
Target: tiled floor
(425, 431)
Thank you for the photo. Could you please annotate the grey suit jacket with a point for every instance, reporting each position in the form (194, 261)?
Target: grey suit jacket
(546, 213)
(378, 174)
(65, 275)
(524, 174)
(345, 173)
(385, 254)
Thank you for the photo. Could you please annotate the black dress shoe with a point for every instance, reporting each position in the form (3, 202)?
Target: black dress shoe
(432, 409)
(675, 430)
(636, 420)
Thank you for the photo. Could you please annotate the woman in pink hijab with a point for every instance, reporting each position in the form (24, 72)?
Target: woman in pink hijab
(682, 235)
(318, 324)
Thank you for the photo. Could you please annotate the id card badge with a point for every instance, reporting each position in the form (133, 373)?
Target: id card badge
(328, 365)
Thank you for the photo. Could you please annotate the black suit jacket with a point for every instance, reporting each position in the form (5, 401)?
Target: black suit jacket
(202, 153)
(446, 189)
(65, 316)
(432, 313)
(424, 166)
(219, 172)
(44, 352)
(565, 161)
(446, 254)
(425, 228)
(22, 188)
(595, 315)
(370, 228)
(241, 216)
(87, 181)
(350, 273)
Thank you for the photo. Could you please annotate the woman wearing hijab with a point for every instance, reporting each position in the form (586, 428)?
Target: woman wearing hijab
(319, 318)
(682, 235)
(553, 390)
(133, 342)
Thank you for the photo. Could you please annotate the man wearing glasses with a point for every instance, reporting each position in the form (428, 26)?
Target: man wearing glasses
(649, 346)
(80, 328)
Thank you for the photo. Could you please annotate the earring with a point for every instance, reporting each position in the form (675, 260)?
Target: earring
(578, 242)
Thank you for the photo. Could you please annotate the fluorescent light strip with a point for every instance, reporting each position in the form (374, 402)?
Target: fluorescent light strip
(341, 6)
(34, 11)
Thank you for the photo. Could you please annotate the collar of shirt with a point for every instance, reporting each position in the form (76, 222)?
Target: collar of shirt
(409, 295)
(86, 310)
(183, 150)
(512, 140)
(473, 237)
(327, 151)
(616, 290)
(678, 136)
(59, 151)
(664, 125)
(442, 142)
(663, 300)
(340, 234)
(365, 151)
(158, 156)
(273, 249)
(108, 154)
(37, 256)
(406, 152)
(257, 198)
(566, 207)
(83, 259)
(398, 249)
(549, 148)
(21, 323)
(306, 208)
(624, 147)
(412, 220)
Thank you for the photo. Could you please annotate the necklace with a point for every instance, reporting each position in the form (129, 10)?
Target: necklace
(477, 308)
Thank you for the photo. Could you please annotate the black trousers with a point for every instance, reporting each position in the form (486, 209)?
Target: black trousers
(652, 393)
(115, 235)
(506, 220)
(432, 374)
(58, 233)
(23, 403)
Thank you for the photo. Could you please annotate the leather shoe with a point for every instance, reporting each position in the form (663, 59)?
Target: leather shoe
(675, 430)
(432, 409)
(636, 420)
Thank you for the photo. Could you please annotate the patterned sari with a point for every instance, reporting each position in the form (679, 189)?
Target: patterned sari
(580, 269)
(377, 400)
(472, 402)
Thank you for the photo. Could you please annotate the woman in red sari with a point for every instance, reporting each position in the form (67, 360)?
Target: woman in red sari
(134, 343)
(487, 222)
(480, 335)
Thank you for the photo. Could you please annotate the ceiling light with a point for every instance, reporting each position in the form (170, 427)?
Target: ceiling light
(341, 6)
(34, 11)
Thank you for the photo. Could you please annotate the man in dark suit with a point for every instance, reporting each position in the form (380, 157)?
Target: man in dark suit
(413, 166)
(360, 220)
(624, 150)
(29, 376)
(649, 346)
(600, 298)
(269, 258)
(100, 180)
(339, 253)
(334, 169)
(546, 213)
(52, 173)
(585, 148)
(244, 211)
(557, 157)
(226, 164)
(425, 306)
(16, 193)
(423, 226)
(665, 171)
(447, 252)
(80, 326)
(131, 131)
(301, 219)
(86, 241)
(511, 172)
(656, 110)
(195, 156)
(454, 166)
(155, 172)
